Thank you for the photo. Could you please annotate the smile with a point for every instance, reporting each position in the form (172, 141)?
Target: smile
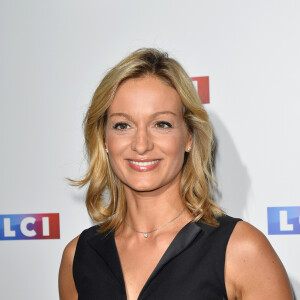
(143, 166)
(144, 163)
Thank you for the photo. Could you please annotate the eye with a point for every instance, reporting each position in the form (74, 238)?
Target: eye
(163, 125)
(121, 126)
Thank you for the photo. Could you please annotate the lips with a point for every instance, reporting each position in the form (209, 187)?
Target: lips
(143, 165)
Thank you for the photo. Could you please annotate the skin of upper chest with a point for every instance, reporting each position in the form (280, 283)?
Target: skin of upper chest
(138, 258)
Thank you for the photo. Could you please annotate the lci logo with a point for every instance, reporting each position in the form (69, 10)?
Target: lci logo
(202, 86)
(284, 220)
(29, 227)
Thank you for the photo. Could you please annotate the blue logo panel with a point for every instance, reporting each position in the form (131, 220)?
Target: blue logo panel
(284, 220)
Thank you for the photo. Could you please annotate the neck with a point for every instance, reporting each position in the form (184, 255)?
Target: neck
(146, 211)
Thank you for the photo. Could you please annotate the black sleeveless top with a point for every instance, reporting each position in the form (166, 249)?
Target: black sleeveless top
(191, 268)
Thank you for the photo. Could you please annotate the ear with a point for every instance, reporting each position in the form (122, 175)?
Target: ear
(105, 147)
(189, 143)
(105, 144)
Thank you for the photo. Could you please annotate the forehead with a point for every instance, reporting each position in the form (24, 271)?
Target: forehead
(146, 95)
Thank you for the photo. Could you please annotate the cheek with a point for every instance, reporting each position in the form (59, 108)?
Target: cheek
(173, 146)
(116, 143)
(117, 146)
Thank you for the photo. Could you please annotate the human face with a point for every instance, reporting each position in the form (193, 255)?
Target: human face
(146, 135)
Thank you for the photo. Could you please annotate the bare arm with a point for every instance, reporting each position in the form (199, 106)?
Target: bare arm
(252, 268)
(67, 289)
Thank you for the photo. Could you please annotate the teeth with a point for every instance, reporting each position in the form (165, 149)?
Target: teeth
(143, 164)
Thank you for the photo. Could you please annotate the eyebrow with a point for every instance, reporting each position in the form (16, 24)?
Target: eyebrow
(153, 115)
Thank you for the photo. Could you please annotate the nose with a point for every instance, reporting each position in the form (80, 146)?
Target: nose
(142, 141)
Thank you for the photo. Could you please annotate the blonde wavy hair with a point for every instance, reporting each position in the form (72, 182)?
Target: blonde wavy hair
(196, 180)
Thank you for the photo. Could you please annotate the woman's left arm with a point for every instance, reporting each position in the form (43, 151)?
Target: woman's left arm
(252, 268)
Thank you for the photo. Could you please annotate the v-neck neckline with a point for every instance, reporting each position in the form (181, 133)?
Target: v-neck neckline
(177, 245)
(105, 246)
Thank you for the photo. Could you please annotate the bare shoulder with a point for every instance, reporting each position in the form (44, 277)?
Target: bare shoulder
(252, 268)
(70, 249)
(67, 289)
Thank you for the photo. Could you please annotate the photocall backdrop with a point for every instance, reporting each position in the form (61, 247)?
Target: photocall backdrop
(54, 53)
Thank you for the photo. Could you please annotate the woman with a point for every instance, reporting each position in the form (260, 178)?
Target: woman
(149, 142)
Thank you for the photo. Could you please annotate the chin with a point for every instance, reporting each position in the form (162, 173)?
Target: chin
(142, 187)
